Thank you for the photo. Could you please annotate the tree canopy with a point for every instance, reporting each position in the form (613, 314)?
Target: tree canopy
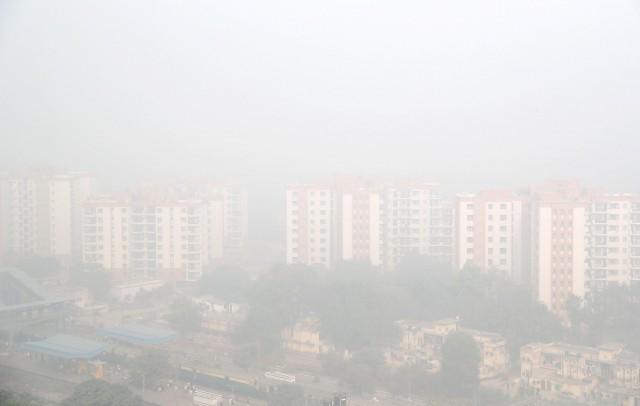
(97, 392)
(460, 363)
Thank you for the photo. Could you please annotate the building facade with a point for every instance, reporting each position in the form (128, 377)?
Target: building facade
(492, 232)
(557, 371)
(39, 213)
(421, 344)
(613, 240)
(365, 221)
(169, 236)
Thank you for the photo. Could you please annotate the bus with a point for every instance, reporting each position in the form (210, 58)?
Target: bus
(280, 376)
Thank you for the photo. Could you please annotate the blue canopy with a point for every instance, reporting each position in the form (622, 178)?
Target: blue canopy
(66, 346)
(139, 334)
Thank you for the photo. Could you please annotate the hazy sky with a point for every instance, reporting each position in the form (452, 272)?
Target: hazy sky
(469, 93)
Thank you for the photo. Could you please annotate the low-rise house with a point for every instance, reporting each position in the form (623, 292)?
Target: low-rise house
(421, 343)
(565, 371)
(304, 337)
(220, 317)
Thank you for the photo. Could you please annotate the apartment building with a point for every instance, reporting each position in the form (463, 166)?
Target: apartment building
(310, 235)
(159, 234)
(606, 373)
(443, 230)
(359, 224)
(407, 220)
(163, 239)
(421, 343)
(559, 226)
(613, 240)
(106, 234)
(39, 213)
(227, 212)
(361, 220)
(492, 232)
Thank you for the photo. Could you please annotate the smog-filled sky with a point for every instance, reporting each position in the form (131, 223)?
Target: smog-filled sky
(470, 94)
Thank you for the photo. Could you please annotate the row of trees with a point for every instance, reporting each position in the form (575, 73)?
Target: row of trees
(357, 306)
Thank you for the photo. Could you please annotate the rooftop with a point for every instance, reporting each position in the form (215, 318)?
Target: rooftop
(67, 347)
(139, 334)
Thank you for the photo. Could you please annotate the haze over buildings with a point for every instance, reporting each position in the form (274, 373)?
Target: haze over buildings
(329, 203)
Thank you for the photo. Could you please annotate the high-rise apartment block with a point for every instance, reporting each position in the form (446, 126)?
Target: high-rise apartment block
(559, 242)
(613, 240)
(165, 234)
(40, 213)
(492, 232)
(359, 220)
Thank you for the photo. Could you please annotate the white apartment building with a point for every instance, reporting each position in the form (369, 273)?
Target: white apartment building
(407, 220)
(443, 232)
(105, 234)
(39, 213)
(227, 212)
(613, 240)
(492, 232)
(164, 239)
(358, 220)
(161, 235)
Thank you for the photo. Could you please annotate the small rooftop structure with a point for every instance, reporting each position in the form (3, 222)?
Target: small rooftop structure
(139, 334)
(66, 347)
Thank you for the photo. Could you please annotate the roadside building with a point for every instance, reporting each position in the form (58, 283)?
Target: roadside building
(563, 371)
(421, 344)
(304, 337)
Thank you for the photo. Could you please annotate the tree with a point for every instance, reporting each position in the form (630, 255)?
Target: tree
(410, 380)
(460, 364)
(94, 278)
(152, 366)
(276, 300)
(9, 398)
(184, 316)
(100, 393)
(610, 314)
(286, 395)
(227, 283)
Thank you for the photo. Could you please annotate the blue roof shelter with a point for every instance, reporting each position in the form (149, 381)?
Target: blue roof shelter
(139, 334)
(66, 347)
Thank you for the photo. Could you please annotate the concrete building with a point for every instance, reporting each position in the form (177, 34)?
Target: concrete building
(304, 337)
(359, 224)
(227, 211)
(39, 213)
(612, 240)
(421, 343)
(407, 220)
(310, 231)
(361, 220)
(141, 238)
(559, 243)
(591, 374)
(492, 232)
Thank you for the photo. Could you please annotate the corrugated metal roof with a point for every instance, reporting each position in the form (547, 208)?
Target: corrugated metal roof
(67, 347)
